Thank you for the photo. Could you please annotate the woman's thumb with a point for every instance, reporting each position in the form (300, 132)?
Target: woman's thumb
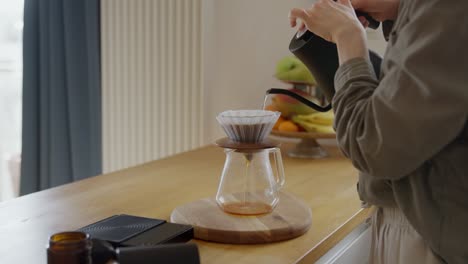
(298, 13)
(345, 2)
(357, 4)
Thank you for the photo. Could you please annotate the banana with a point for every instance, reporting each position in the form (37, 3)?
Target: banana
(317, 128)
(325, 119)
(316, 122)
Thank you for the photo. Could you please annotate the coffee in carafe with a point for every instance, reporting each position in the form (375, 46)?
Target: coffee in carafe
(253, 171)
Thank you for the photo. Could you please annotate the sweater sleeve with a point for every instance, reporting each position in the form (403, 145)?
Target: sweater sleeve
(389, 128)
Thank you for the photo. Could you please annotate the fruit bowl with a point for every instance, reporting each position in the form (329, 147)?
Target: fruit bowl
(308, 128)
(299, 120)
(308, 147)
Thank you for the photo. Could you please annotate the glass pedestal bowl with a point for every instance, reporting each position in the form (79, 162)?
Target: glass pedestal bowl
(308, 147)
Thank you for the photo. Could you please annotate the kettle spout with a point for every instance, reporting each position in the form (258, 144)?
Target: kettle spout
(300, 99)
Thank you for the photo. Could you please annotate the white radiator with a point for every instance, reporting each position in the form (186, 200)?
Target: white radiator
(152, 97)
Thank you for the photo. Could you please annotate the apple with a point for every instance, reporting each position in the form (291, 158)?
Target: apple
(292, 70)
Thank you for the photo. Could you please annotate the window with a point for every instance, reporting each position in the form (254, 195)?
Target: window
(11, 27)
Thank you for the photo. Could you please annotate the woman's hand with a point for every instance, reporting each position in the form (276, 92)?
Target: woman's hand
(328, 19)
(335, 22)
(380, 10)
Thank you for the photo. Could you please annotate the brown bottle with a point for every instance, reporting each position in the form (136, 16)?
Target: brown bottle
(69, 248)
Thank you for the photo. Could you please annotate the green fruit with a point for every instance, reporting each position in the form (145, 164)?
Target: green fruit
(291, 69)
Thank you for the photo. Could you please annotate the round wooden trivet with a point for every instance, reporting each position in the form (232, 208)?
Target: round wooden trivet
(291, 218)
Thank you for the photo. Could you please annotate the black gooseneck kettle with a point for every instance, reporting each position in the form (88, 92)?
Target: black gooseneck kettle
(321, 58)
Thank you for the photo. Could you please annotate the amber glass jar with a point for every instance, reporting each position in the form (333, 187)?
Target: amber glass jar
(69, 248)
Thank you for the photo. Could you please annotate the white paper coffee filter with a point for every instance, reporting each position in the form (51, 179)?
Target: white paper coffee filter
(248, 126)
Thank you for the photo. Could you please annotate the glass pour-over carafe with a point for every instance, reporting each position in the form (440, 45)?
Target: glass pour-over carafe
(253, 172)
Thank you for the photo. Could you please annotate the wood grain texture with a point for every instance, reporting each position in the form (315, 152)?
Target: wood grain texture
(291, 218)
(154, 189)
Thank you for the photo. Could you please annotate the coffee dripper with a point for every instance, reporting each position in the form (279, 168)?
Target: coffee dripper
(253, 171)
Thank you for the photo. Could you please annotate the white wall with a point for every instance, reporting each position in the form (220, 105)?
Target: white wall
(242, 41)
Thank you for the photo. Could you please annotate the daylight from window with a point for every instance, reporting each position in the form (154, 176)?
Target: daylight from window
(11, 31)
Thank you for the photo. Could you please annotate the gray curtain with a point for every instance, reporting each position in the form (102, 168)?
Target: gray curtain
(61, 139)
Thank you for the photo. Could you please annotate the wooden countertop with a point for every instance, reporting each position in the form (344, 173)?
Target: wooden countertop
(155, 188)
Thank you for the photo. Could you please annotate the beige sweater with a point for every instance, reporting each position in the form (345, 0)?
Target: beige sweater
(406, 131)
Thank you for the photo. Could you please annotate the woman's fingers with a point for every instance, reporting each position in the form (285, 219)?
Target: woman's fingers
(297, 13)
(302, 27)
(364, 21)
(292, 20)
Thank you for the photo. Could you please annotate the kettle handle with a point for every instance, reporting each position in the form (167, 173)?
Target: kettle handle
(300, 99)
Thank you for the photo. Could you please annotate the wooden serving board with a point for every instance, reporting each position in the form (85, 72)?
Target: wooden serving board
(291, 218)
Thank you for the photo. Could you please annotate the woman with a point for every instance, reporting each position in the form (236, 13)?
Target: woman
(405, 130)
